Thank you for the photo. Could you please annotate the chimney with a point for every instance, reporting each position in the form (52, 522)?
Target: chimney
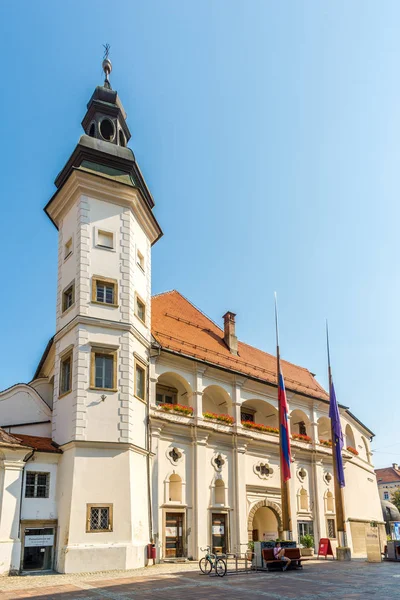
(230, 338)
(395, 466)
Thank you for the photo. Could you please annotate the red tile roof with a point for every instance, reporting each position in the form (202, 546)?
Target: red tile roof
(182, 328)
(387, 475)
(40, 444)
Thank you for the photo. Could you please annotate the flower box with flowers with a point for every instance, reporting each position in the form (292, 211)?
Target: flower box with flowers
(301, 437)
(327, 443)
(224, 419)
(259, 427)
(352, 450)
(181, 409)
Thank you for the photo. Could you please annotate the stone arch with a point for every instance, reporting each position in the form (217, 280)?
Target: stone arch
(172, 388)
(217, 400)
(276, 509)
(350, 438)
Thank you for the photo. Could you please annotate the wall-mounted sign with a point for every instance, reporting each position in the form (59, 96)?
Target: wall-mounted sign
(32, 541)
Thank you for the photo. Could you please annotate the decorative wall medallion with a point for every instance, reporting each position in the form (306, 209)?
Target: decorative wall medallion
(327, 478)
(301, 474)
(174, 455)
(263, 470)
(218, 462)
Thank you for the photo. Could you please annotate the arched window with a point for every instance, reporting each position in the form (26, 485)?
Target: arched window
(122, 141)
(303, 499)
(329, 502)
(92, 130)
(219, 492)
(350, 437)
(175, 488)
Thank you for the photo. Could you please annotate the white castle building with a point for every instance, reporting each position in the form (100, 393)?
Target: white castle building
(145, 421)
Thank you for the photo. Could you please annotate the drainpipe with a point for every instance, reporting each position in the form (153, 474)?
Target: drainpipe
(26, 460)
(148, 448)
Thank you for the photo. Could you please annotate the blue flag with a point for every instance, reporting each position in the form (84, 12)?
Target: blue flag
(337, 432)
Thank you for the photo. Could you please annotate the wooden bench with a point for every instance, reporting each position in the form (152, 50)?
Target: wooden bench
(292, 553)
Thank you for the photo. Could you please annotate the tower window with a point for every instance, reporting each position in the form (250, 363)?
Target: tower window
(66, 374)
(122, 141)
(104, 291)
(107, 130)
(68, 297)
(103, 374)
(140, 309)
(92, 130)
(105, 239)
(68, 249)
(140, 260)
(140, 381)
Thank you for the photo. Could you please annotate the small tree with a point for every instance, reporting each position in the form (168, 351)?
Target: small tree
(395, 499)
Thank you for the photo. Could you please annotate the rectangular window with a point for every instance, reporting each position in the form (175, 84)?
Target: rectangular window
(37, 485)
(140, 260)
(99, 517)
(165, 395)
(104, 291)
(66, 374)
(68, 297)
(386, 495)
(331, 529)
(305, 528)
(103, 369)
(140, 382)
(140, 309)
(68, 249)
(105, 239)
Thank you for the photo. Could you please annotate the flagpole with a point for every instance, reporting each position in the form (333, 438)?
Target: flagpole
(339, 494)
(285, 487)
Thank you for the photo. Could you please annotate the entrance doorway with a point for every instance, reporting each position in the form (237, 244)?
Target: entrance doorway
(219, 534)
(265, 525)
(174, 535)
(38, 549)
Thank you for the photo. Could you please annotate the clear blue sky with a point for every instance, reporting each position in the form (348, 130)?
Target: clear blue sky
(269, 135)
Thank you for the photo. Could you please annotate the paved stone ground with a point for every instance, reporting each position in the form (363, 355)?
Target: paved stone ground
(317, 581)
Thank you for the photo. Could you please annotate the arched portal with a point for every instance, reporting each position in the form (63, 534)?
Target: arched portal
(265, 521)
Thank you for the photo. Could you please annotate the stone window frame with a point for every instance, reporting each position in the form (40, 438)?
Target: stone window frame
(334, 527)
(141, 365)
(64, 308)
(105, 280)
(89, 507)
(108, 352)
(65, 355)
(140, 299)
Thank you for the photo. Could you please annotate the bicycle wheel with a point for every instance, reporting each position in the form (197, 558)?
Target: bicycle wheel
(220, 567)
(205, 565)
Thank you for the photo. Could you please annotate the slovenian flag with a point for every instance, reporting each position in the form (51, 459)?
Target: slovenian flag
(284, 429)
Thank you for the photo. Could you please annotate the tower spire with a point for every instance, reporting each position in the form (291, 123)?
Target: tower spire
(107, 66)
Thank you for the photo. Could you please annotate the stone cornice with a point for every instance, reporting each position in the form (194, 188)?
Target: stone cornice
(89, 184)
(96, 322)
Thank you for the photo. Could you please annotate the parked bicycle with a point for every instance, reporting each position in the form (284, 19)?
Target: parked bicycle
(211, 561)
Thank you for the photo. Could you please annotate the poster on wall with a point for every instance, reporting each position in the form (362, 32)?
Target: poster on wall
(32, 541)
(218, 530)
(171, 531)
(396, 530)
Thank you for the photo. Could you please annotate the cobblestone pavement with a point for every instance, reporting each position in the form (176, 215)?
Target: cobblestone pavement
(318, 580)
